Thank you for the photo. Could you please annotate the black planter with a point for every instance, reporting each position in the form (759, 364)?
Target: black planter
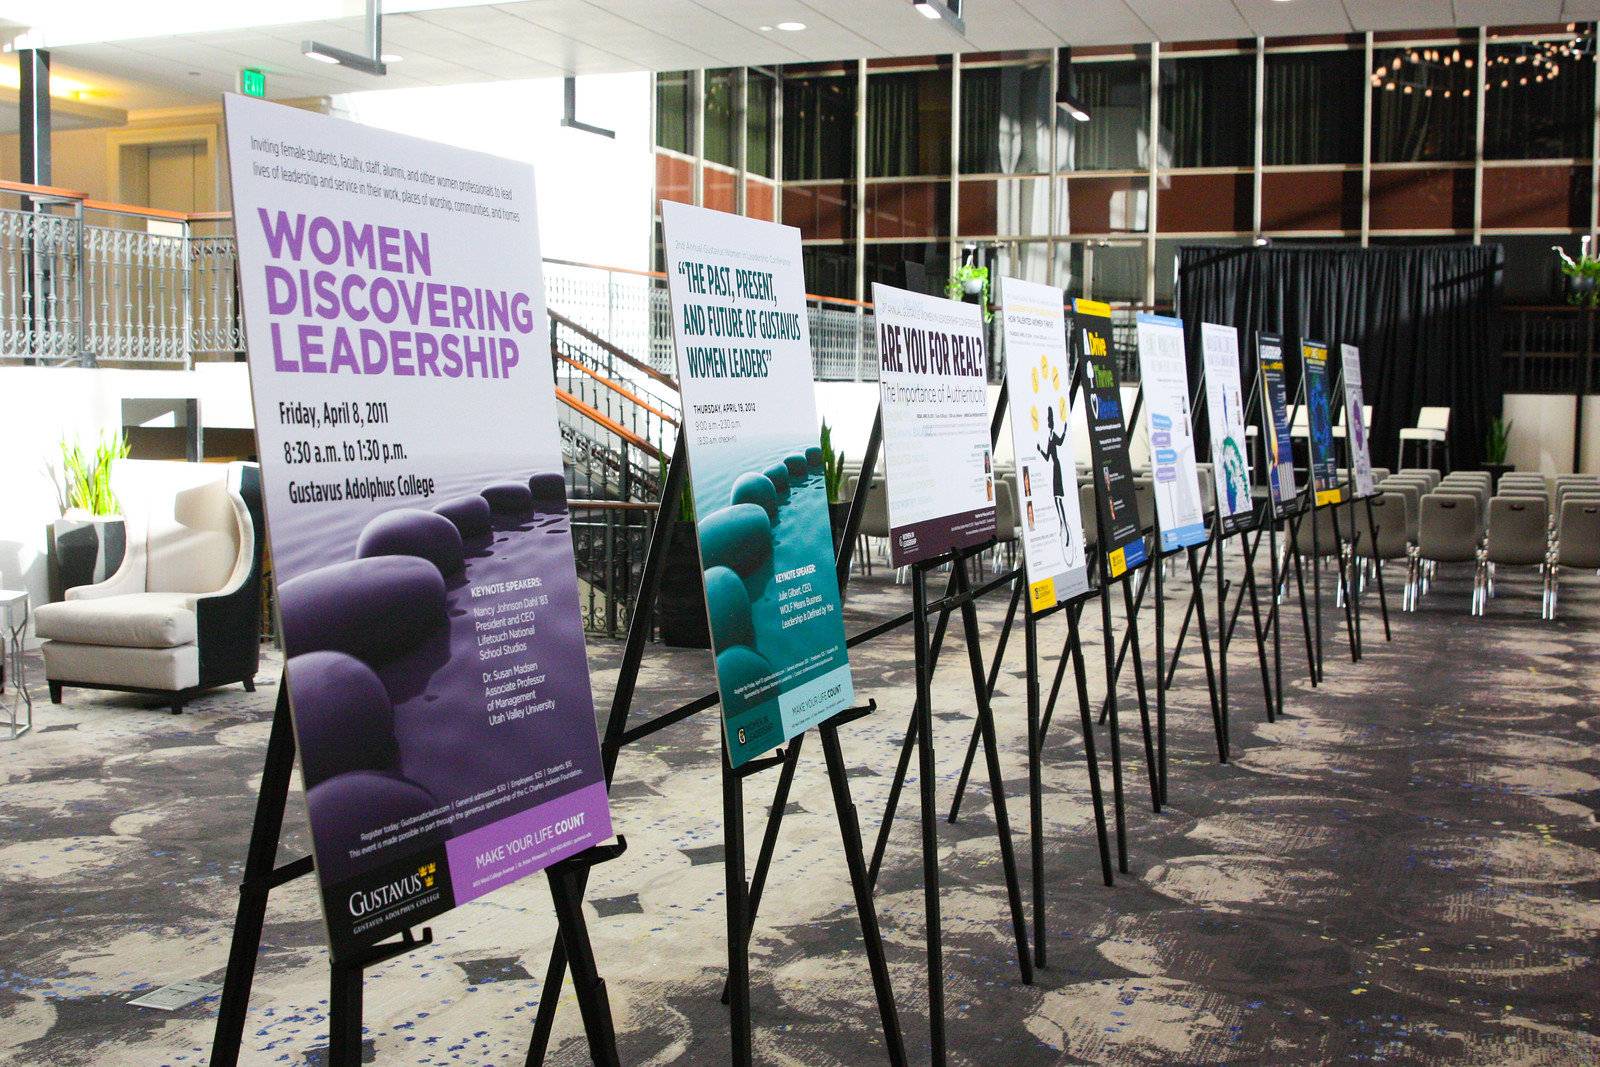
(681, 593)
(82, 552)
(838, 515)
(1497, 469)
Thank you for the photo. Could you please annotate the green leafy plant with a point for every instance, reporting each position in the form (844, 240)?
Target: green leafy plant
(1584, 290)
(685, 494)
(832, 464)
(956, 287)
(1494, 447)
(84, 478)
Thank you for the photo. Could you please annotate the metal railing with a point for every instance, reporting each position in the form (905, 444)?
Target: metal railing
(1544, 348)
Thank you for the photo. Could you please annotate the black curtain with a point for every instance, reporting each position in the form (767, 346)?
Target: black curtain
(1426, 319)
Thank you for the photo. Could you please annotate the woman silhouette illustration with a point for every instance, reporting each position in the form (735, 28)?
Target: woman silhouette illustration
(1053, 455)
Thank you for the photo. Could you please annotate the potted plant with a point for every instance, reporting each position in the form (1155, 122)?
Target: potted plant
(85, 545)
(833, 477)
(971, 280)
(1494, 448)
(680, 591)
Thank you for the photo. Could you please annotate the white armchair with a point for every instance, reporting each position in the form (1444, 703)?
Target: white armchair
(183, 612)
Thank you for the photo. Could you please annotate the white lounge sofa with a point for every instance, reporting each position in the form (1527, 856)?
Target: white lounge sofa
(183, 612)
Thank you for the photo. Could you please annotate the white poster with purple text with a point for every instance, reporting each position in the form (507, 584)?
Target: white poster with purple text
(933, 385)
(1355, 421)
(406, 423)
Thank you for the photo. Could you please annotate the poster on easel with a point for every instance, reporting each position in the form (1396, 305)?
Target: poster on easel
(1281, 486)
(1169, 422)
(411, 466)
(1039, 385)
(933, 385)
(756, 466)
(1225, 418)
(1355, 420)
(1319, 419)
(1120, 535)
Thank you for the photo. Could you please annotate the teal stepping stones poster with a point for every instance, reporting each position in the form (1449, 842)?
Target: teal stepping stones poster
(760, 495)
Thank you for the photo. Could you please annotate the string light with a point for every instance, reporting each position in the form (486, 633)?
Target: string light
(1426, 69)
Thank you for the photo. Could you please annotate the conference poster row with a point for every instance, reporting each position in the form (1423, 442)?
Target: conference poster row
(408, 431)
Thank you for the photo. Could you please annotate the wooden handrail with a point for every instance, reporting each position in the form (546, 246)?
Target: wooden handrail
(614, 505)
(590, 335)
(615, 427)
(83, 198)
(42, 190)
(609, 384)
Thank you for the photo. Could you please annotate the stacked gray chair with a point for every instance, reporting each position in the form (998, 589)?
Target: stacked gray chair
(1449, 530)
(1577, 545)
(1518, 536)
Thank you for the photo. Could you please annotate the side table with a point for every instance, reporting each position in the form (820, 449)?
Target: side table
(14, 618)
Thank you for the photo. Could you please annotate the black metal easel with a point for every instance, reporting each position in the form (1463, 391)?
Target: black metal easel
(262, 876)
(742, 896)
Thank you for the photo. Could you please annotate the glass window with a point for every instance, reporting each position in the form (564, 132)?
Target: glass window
(908, 123)
(1423, 107)
(1208, 111)
(1116, 272)
(722, 116)
(672, 111)
(830, 269)
(1006, 115)
(761, 94)
(922, 268)
(1313, 110)
(819, 114)
(1117, 95)
(1540, 103)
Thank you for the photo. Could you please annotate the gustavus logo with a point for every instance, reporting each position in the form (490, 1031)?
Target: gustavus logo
(366, 901)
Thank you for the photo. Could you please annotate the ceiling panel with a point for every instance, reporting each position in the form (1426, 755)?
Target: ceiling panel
(467, 42)
(1268, 18)
(1111, 22)
(1191, 22)
(1409, 15)
(893, 28)
(1506, 12)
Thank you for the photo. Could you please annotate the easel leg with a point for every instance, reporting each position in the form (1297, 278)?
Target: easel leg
(566, 892)
(344, 1015)
(907, 746)
(994, 677)
(1219, 710)
(997, 783)
(1305, 611)
(1159, 786)
(1377, 570)
(1139, 688)
(1111, 712)
(930, 816)
(866, 911)
(738, 912)
(1086, 712)
(1030, 632)
(259, 879)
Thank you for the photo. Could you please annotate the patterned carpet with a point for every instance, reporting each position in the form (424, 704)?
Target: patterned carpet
(1404, 869)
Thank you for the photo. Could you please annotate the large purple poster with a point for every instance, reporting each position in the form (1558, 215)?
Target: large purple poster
(406, 423)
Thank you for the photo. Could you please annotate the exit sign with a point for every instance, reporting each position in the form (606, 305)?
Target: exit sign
(252, 83)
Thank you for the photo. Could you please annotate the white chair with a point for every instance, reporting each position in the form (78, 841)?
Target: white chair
(1432, 429)
(183, 612)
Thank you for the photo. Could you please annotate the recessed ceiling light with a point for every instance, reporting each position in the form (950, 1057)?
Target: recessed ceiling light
(791, 26)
